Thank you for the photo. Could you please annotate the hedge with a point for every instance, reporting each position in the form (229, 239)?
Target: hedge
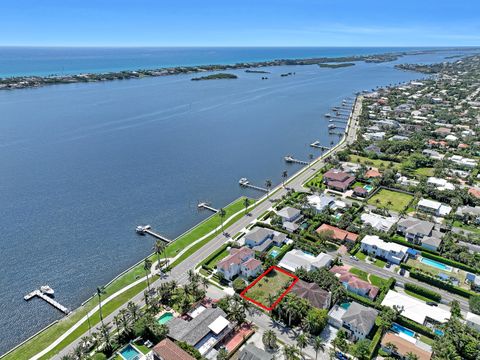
(375, 341)
(361, 299)
(390, 284)
(415, 274)
(450, 262)
(355, 248)
(212, 256)
(423, 292)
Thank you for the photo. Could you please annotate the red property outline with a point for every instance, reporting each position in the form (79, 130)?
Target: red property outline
(270, 269)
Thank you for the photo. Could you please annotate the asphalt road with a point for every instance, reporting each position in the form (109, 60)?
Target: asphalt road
(179, 272)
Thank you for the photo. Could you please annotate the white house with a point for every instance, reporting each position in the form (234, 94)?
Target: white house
(289, 214)
(390, 251)
(462, 161)
(240, 262)
(320, 203)
(379, 222)
(473, 321)
(440, 184)
(295, 259)
(433, 207)
(261, 239)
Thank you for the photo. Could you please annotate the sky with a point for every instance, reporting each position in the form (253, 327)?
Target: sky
(239, 23)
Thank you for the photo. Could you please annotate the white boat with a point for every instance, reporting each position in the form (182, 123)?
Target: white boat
(243, 181)
(328, 115)
(141, 228)
(47, 290)
(332, 126)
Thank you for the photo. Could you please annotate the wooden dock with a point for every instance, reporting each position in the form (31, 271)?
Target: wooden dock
(48, 299)
(316, 144)
(245, 183)
(147, 229)
(291, 159)
(207, 206)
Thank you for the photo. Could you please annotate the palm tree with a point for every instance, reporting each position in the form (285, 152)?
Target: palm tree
(302, 341)
(268, 185)
(100, 292)
(269, 339)
(290, 352)
(222, 354)
(191, 275)
(284, 177)
(391, 347)
(246, 203)
(105, 335)
(411, 356)
(158, 248)
(271, 299)
(318, 345)
(147, 265)
(205, 283)
(116, 320)
(222, 213)
(133, 310)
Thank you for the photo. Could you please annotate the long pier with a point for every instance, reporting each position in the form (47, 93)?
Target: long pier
(206, 206)
(48, 299)
(245, 183)
(316, 144)
(147, 229)
(291, 159)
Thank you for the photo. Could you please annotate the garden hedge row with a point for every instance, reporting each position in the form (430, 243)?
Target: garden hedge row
(415, 274)
(412, 325)
(375, 341)
(423, 292)
(213, 255)
(390, 284)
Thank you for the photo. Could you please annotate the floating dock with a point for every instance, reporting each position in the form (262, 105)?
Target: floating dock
(316, 144)
(48, 299)
(147, 229)
(291, 159)
(245, 183)
(207, 206)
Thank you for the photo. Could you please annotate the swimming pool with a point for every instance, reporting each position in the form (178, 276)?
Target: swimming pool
(345, 305)
(130, 353)
(400, 329)
(435, 264)
(439, 332)
(164, 318)
(368, 187)
(274, 253)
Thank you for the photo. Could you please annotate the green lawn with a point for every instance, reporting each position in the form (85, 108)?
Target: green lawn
(415, 295)
(427, 340)
(380, 263)
(392, 200)
(370, 278)
(217, 258)
(274, 284)
(426, 171)
(316, 181)
(361, 256)
(377, 280)
(43, 339)
(359, 273)
(384, 164)
(461, 225)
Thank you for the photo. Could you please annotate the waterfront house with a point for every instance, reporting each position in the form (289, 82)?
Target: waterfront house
(168, 350)
(290, 218)
(433, 207)
(392, 252)
(314, 294)
(240, 262)
(338, 180)
(296, 259)
(338, 234)
(403, 347)
(207, 329)
(262, 239)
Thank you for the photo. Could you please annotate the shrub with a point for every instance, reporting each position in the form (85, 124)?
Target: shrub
(410, 324)
(423, 292)
(415, 274)
(474, 303)
(239, 285)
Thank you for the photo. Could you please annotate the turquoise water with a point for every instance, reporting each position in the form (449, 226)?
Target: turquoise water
(436, 264)
(130, 353)
(345, 305)
(400, 329)
(150, 147)
(164, 318)
(274, 253)
(368, 187)
(439, 332)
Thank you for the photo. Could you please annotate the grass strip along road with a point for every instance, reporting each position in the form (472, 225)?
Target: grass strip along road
(46, 337)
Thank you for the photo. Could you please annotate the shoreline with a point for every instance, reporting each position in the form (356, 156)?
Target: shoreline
(33, 81)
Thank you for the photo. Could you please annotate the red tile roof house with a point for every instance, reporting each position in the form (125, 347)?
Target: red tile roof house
(168, 350)
(354, 284)
(338, 234)
(338, 180)
(372, 173)
(474, 192)
(360, 191)
(240, 262)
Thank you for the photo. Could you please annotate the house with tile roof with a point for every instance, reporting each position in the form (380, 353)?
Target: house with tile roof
(353, 283)
(168, 350)
(338, 234)
(404, 346)
(240, 262)
(314, 294)
(338, 180)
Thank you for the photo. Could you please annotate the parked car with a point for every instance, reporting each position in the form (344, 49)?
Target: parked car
(402, 272)
(432, 303)
(388, 265)
(353, 257)
(340, 356)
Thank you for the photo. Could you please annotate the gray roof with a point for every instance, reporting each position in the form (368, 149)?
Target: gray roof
(470, 210)
(360, 317)
(288, 212)
(417, 226)
(432, 241)
(251, 352)
(195, 330)
(259, 234)
(265, 238)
